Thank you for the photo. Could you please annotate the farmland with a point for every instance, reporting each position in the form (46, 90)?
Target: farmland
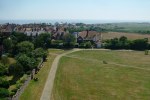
(130, 36)
(103, 75)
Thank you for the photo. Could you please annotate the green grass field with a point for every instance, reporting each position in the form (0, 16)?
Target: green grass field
(34, 89)
(84, 76)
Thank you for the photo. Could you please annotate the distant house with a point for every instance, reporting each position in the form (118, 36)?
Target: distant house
(92, 36)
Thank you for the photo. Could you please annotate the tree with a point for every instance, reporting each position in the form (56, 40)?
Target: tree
(69, 40)
(88, 44)
(8, 44)
(4, 93)
(39, 52)
(19, 37)
(4, 83)
(43, 40)
(3, 69)
(57, 44)
(139, 44)
(16, 69)
(27, 62)
(4, 59)
(25, 47)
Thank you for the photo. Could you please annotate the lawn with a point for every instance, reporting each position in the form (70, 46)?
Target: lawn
(83, 75)
(34, 89)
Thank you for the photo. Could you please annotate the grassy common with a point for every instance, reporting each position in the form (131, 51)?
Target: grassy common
(34, 89)
(83, 75)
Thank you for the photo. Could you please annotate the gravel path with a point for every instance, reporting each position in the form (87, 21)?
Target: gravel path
(46, 95)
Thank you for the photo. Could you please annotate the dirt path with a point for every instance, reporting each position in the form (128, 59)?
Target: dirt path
(46, 95)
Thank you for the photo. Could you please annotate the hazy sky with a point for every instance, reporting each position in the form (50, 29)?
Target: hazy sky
(75, 9)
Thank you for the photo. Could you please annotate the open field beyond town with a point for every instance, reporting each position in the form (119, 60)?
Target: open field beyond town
(130, 36)
(103, 75)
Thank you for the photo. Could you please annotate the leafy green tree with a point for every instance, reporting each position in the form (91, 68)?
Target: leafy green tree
(139, 44)
(16, 69)
(8, 44)
(27, 62)
(3, 69)
(88, 44)
(4, 59)
(39, 52)
(4, 93)
(19, 37)
(69, 40)
(43, 40)
(57, 44)
(25, 47)
(4, 83)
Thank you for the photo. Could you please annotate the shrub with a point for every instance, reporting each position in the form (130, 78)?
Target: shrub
(4, 93)
(146, 52)
(16, 69)
(4, 59)
(4, 83)
(88, 44)
(3, 69)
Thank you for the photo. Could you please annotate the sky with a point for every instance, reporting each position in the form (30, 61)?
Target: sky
(75, 9)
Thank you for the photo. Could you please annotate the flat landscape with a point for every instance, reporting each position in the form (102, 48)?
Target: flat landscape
(103, 75)
(130, 36)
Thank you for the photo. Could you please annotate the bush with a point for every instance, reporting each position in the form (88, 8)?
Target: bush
(88, 44)
(82, 45)
(4, 83)
(146, 52)
(23, 78)
(4, 93)
(3, 69)
(27, 62)
(16, 69)
(12, 93)
(4, 59)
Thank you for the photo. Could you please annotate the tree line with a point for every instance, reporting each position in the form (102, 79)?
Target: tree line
(124, 43)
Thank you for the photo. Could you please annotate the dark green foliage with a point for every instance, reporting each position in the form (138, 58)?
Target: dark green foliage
(3, 69)
(85, 45)
(25, 47)
(88, 44)
(16, 69)
(19, 37)
(43, 40)
(69, 40)
(4, 83)
(4, 93)
(124, 43)
(57, 44)
(139, 44)
(27, 62)
(4, 59)
(40, 53)
(8, 44)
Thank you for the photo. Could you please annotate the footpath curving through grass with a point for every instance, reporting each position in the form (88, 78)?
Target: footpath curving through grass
(83, 75)
(34, 89)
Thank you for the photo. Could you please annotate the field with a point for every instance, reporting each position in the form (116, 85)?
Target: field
(130, 36)
(34, 89)
(103, 75)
